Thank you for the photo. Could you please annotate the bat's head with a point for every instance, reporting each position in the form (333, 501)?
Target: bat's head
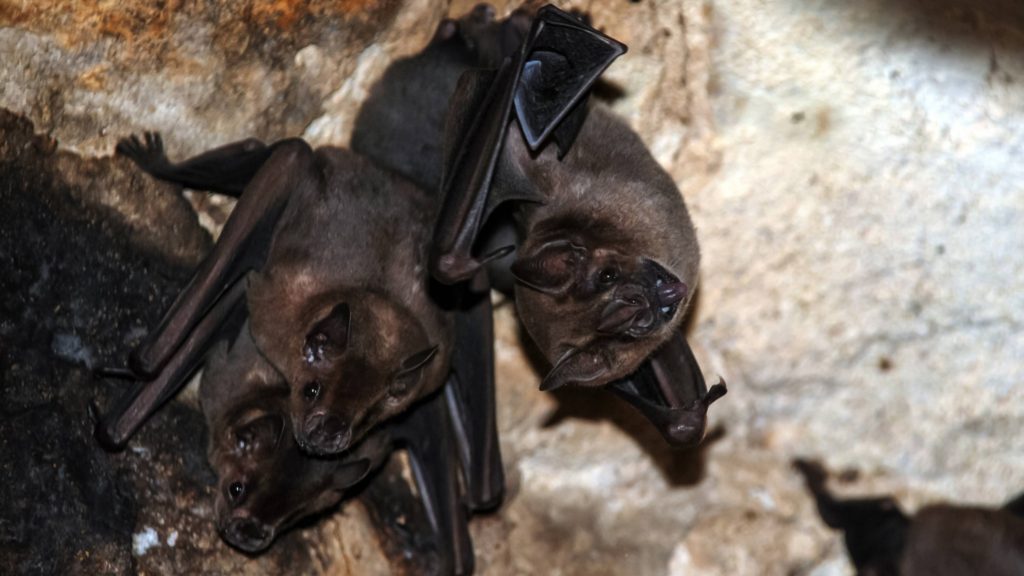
(596, 313)
(265, 483)
(358, 359)
(609, 259)
(261, 492)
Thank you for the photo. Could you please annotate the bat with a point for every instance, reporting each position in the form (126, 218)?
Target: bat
(328, 252)
(941, 539)
(605, 255)
(308, 296)
(266, 484)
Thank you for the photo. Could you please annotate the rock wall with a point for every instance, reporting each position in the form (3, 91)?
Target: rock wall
(851, 170)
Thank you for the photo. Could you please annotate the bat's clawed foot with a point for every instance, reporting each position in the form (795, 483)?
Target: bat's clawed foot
(101, 432)
(147, 151)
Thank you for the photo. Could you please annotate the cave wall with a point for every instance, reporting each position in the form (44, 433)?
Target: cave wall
(850, 167)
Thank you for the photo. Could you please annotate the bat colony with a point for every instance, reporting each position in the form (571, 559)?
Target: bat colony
(345, 310)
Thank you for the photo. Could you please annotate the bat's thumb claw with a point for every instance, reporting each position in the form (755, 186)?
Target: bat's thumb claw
(716, 392)
(549, 384)
(94, 412)
(111, 372)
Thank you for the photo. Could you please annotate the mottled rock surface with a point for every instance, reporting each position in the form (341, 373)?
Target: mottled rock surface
(853, 170)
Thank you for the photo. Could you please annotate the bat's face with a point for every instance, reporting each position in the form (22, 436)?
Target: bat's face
(265, 483)
(359, 359)
(595, 313)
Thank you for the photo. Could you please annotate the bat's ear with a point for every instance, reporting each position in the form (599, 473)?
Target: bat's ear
(259, 435)
(553, 268)
(350, 474)
(578, 368)
(329, 337)
(409, 373)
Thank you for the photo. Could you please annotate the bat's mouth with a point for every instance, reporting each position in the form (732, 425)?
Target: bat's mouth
(248, 535)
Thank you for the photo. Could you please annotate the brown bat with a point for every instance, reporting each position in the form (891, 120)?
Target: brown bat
(339, 300)
(267, 484)
(940, 540)
(606, 256)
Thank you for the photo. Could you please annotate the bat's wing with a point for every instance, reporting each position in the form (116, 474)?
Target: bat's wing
(427, 434)
(875, 529)
(225, 170)
(470, 399)
(139, 402)
(669, 389)
(547, 82)
(242, 246)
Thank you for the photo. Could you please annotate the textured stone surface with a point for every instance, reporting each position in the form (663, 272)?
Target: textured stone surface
(853, 171)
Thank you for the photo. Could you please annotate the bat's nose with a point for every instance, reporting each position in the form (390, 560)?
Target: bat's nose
(327, 434)
(248, 534)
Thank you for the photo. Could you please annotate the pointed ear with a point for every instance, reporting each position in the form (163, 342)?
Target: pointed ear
(409, 373)
(553, 268)
(578, 368)
(417, 360)
(328, 336)
(260, 435)
(350, 474)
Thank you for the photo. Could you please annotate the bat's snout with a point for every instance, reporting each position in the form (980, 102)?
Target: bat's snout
(248, 534)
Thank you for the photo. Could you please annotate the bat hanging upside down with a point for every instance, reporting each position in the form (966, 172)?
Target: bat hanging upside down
(588, 231)
(267, 484)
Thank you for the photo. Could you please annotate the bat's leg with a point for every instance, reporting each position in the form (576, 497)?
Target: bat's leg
(426, 432)
(225, 170)
(875, 529)
(669, 389)
(137, 404)
(242, 246)
(470, 396)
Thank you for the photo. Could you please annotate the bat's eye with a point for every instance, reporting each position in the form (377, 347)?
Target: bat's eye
(311, 391)
(607, 276)
(236, 491)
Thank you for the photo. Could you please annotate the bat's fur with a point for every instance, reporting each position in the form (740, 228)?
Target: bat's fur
(265, 482)
(357, 238)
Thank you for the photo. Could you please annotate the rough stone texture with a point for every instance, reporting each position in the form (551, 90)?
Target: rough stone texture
(852, 170)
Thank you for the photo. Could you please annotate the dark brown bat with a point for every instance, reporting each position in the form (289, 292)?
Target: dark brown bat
(607, 257)
(339, 299)
(940, 540)
(346, 251)
(267, 484)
